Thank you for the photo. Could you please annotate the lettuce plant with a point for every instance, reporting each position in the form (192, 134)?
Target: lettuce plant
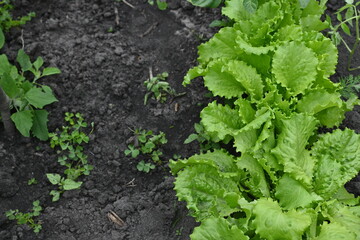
(283, 181)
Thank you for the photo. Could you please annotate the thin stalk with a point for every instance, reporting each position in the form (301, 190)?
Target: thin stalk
(356, 44)
(5, 114)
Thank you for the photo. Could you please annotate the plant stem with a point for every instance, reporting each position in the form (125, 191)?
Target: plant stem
(5, 114)
(356, 44)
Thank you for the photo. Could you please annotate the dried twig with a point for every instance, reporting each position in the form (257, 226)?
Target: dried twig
(127, 3)
(117, 18)
(152, 27)
(113, 217)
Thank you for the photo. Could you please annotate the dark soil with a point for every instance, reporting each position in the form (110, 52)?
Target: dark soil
(102, 78)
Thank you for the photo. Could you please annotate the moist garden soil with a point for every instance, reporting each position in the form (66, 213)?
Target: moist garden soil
(105, 49)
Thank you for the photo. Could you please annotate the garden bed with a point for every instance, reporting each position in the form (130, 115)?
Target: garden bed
(105, 49)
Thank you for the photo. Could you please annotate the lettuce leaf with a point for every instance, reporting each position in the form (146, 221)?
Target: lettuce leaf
(272, 223)
(294, 67)
(338, 157)
(217, 228)
(291, 149)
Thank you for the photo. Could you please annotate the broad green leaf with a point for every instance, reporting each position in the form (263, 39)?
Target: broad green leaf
(5, 66)
(55, 179)
(250, 49)
(346, 29)
(206, 3)
(38, 63)
(162, 5)
(335, 231)
(272, 223)
(219, 159)
(192, 137)
(39, 128)
(55, 194)
(40, 97)
(292, 194)
(338, 157)
(247, 76)
(327, 55)
(206, 192)
(193, 73)
(349, 217)
(313, 23)
(246, 111)
(2, 38)
(221, 45)
(294, 67)
(304, 3)
(246, 137)
(69, 184)
(221, 81)
(319, 100)
(8, 84)
(24, 60)
(220, 120)
(50, 71)
(253, 176)
(216, 229)
(250, 5)
(234, 9)
(291, 149)
(23, 121)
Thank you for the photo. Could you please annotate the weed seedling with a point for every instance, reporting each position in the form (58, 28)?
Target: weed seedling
(146, 143)
(350, 86)
(162, 5)
(158, 88)
(144, 167)
(27, 218)
(32, 181)
(69, 141)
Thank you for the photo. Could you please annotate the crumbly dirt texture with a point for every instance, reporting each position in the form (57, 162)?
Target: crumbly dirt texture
(104, 49)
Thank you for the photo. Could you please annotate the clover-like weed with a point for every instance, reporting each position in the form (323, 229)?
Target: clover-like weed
(27, 218)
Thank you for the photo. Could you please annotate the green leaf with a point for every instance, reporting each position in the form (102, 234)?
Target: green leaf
(55, 194)
(221, 45)
(253, 176)
(338, 157)
(272, 223)
(40, 97)
(5, 66)
(2, 38)
(23, 121)
(70, 184)
(250, 5)
(206, 191)
(39, 128)
(221, 81)
(292, 194)
(162, 5)
(216, 229)
(346, 29)
(206, 3)
(38, 63)
(220, 121)
(50, 71)
(24, 60)
(234, 9)
(304, 3)
(8, 84)
(291, 149)
(335, 231)
(294, 67)
(55, 179)
(192, 137)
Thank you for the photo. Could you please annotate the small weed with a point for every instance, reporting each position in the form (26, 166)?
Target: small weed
(350, 86)
(178, 232)
(70, 140)
(202, 137)
(146, 143)
(6, 20)
(32, 181)
(158, 88)
(27, 218)
(144, 167)
(162, 5)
